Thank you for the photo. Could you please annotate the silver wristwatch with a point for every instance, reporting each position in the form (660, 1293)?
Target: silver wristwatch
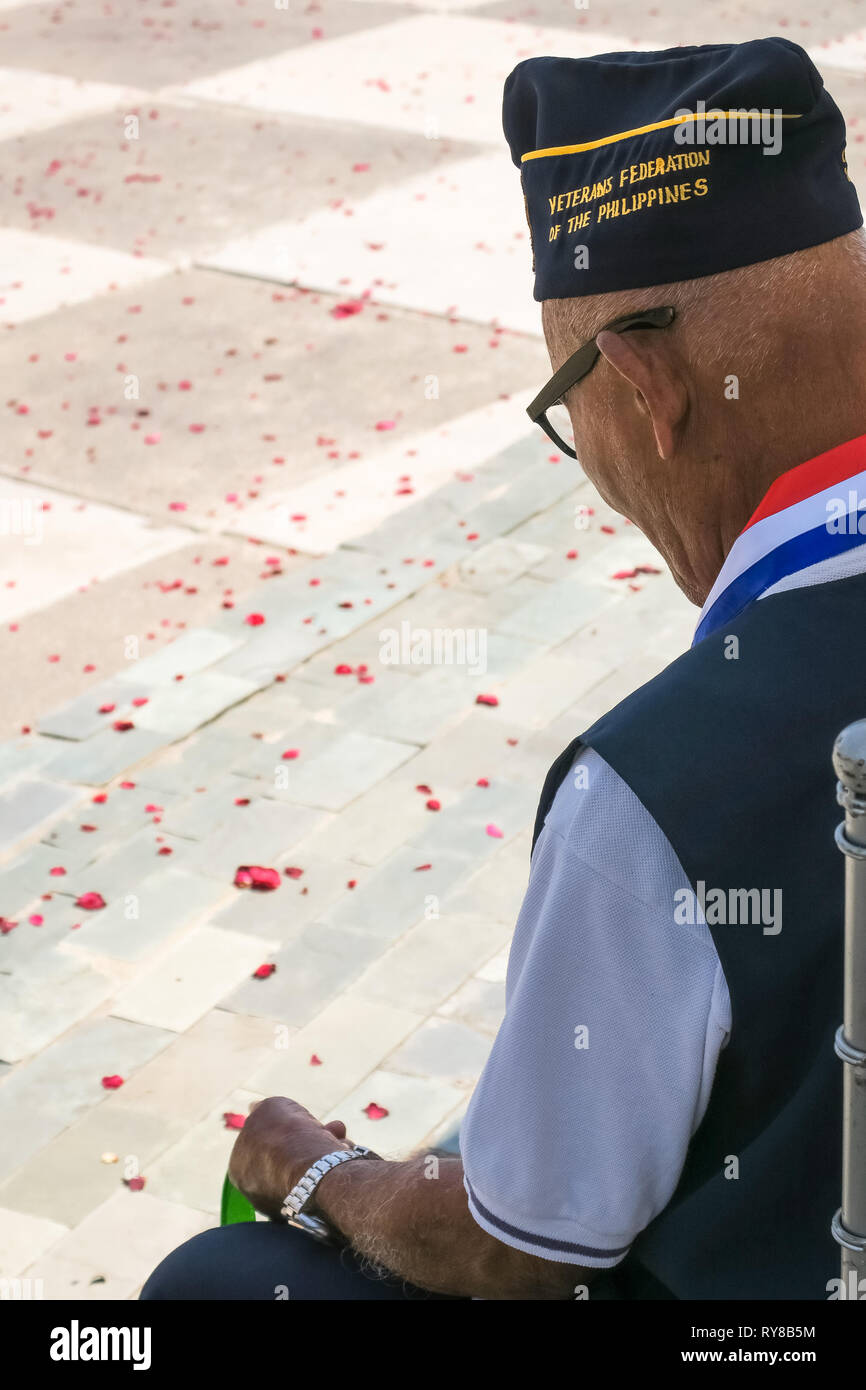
(301, 1193)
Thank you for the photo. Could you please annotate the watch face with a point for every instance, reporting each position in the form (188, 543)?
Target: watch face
(318, 1228)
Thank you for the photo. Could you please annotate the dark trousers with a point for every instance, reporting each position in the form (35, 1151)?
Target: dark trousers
(264, 1260)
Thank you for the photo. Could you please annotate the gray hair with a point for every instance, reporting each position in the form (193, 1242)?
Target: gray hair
(737, 314)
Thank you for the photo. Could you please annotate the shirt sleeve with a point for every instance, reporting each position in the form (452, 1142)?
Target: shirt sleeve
(577, 1132)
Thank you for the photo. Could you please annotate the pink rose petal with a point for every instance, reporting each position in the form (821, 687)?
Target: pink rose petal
(375, 1112)
(91, 902)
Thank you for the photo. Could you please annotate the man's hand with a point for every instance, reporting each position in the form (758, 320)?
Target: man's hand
(276, 1147)
(394, 1214)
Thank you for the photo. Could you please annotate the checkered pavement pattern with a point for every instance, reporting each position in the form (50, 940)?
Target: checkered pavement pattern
(267, 335)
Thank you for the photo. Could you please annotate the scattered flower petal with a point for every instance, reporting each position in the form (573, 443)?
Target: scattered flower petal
(375, 1112)
(255, 876)
(91, 902)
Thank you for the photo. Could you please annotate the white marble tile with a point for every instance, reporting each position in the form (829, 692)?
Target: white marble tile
(54, 544)
(349, 1037)
(42, 273)
(416, 1105)
(437, 75)
(129, 1234)
(440, 6)
(36, 100)
(456, 245)
(370, 489)
(191, 978)
(24, 1239)
(848, 52)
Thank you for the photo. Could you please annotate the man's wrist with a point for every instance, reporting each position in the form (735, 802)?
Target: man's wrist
(303, 1193)
(332, 1197)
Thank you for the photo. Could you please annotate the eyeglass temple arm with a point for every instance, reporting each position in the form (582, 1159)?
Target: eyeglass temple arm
(565, 378)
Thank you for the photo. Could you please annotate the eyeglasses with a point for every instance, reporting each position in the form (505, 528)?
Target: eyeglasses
(581, 363)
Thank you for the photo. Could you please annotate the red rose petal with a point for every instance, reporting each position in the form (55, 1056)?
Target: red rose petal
(375, 1112)
(433, 804)
(254, 619)
(258, 877)
(111, 1083)
(264, 971)
(487, 699)
(134, 1184)
(91, 902)
(233, 1120)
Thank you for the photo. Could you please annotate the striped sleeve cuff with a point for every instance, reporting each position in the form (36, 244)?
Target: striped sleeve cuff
(591, 1256)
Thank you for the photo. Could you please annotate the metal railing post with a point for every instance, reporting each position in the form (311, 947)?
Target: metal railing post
(849, 1223)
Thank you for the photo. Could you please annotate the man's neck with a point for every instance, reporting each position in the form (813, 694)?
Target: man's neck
(698, 540)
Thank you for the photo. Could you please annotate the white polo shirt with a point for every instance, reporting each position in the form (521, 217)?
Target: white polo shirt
(616, 1014)
(601, 1071)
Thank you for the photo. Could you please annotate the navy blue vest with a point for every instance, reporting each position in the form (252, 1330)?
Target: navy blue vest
(731, 757)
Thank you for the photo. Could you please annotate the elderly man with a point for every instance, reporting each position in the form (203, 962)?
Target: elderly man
(660, 1113)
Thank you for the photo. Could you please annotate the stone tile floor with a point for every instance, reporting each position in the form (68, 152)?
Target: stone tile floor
(268, 336)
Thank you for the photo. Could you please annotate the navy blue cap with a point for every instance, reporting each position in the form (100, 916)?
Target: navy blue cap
(630, 179)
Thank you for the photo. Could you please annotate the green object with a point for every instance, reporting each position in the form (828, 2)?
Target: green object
(234, 1206)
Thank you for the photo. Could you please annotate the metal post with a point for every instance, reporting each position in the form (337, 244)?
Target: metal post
(849, 1223)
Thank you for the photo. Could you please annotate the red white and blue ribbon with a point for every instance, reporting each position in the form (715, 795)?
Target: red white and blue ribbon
(800, 523)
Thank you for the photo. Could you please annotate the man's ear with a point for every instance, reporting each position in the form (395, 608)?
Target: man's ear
(660, 393)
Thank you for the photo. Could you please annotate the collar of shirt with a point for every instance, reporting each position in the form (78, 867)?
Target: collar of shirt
(809, 518)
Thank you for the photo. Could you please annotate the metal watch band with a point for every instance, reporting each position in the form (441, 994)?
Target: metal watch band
(304, 1189)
